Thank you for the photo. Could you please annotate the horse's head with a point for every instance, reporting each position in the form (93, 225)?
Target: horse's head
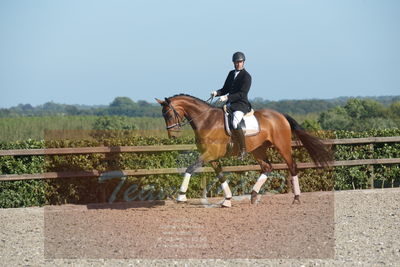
(173, 115)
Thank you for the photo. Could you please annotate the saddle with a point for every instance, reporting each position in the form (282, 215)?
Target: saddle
(249, 123)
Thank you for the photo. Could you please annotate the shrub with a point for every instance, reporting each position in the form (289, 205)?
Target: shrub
(89, 190)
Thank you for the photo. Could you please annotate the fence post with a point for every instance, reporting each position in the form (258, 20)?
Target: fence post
(372, 177)
(204, 187)
(371, 167)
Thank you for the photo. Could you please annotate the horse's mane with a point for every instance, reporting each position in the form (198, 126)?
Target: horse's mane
(196, 98)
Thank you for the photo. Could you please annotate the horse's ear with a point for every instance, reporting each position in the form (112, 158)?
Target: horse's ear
(161, 102)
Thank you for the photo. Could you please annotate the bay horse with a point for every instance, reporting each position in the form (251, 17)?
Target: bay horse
(212, 141)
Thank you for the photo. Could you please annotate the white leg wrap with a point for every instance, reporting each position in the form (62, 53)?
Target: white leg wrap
(260, 181)
(181, 198)
(296, 186)
(185, 183)
(227, 203)
(227, 190)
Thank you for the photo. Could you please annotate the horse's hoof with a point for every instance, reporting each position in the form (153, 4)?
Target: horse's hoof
(296, 200)
(181, 199)
(253, 198)
(226, 203)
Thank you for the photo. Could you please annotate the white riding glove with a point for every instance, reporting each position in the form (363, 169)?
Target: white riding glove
(214, 93)
(223, 98)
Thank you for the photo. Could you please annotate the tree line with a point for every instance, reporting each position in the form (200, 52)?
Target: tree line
(343, 113)
(120, 106)
(125, 106)
(358, 115)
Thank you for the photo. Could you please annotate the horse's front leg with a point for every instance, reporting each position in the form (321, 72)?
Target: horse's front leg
(186, 178)
(224, 184)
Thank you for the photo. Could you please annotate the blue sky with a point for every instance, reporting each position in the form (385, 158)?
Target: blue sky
(91, 51)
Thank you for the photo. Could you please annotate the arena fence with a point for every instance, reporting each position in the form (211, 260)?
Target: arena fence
(154, 149)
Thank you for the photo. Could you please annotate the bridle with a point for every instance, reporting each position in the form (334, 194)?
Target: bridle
(180, 121)
(178, 117)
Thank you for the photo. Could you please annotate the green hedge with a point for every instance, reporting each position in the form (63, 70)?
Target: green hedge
(90, 190)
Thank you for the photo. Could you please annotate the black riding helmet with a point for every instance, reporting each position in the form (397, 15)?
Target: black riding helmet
(238, 56)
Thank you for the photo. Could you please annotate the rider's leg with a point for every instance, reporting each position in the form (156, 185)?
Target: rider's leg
(238, 132)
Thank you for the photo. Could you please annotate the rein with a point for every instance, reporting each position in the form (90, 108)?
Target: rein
(178, 118)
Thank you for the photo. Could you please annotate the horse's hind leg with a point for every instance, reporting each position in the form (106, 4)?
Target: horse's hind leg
(283, 145)
(186, 178)
(266, 168)
(224, 184)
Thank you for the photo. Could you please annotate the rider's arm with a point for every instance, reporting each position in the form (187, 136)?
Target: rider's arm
(227, 85)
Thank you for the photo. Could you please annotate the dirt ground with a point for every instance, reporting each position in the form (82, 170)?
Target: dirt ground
(346, 228)
(275, 228)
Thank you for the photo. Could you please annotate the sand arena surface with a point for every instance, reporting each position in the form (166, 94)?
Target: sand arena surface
(162, 230)
(342, 228)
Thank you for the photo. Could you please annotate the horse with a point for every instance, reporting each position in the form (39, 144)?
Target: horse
(212, 141)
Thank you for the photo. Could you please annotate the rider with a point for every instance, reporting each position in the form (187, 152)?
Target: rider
(235, 90)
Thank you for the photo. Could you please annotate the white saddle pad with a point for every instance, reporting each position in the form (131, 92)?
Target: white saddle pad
(251, 127)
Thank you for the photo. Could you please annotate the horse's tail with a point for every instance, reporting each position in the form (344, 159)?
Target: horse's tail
(319, 152)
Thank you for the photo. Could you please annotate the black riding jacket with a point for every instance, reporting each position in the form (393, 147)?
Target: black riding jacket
(238, 88)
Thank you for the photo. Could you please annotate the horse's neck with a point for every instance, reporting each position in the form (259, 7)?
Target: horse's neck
(201, 116)
(194, 112)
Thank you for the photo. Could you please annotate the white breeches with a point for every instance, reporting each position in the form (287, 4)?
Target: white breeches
(237, 117)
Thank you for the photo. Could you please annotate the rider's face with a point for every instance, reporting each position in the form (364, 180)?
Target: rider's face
(238, 65)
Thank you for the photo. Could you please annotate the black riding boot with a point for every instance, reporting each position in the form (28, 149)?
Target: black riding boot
(239, 136)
